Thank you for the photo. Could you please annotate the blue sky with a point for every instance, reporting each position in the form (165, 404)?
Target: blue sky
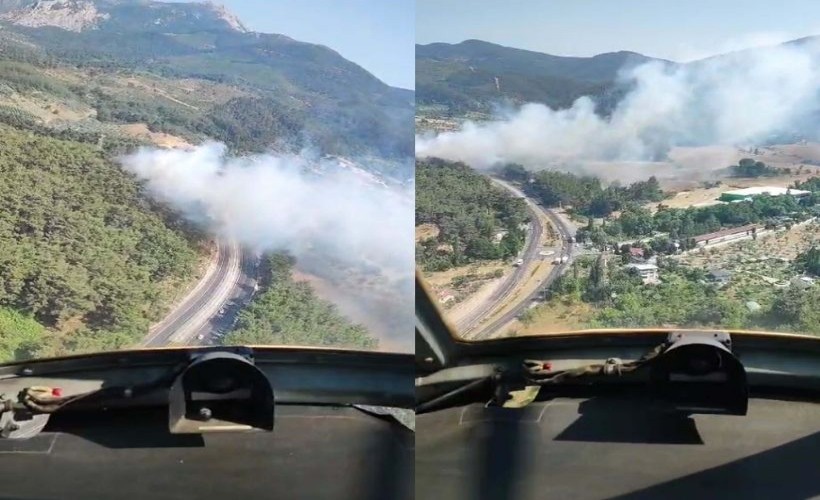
(678, 30)
(378, 35)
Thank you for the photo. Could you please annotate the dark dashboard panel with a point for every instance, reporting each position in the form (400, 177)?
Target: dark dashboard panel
(611, 447)
(298, 375)
(316, 452)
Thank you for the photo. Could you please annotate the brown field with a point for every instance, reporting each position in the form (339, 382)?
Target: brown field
(553, 317)
(701, 196)
(47, 108)
(458, 302)
(472, 300)
(688, 168)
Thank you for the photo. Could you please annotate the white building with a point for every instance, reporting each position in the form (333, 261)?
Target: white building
(748, 193)
(648, 272)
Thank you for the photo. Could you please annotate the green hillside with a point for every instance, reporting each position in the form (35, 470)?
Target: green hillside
(82, 253)
(290, 94)
(87, 261)
(475, 76)
(286, 312)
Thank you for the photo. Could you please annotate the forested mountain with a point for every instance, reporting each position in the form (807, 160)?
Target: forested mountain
(282, 91)
(474, 75)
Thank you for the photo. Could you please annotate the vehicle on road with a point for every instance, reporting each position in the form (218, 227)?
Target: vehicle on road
(519, 262)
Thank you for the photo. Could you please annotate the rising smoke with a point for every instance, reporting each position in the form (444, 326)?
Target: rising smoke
(738, 99)
(333, 216)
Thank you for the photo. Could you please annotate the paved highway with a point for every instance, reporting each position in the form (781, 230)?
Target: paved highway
(199, 312)
(469, 322)
(565, 231)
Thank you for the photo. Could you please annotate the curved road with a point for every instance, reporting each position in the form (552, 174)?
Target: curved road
(195, 315)
(469, 322)
(565, 230)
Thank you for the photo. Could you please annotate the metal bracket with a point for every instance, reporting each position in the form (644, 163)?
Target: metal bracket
(220, 390)
(715, 336)
(17, 424)
(242, 351)
(698, 373)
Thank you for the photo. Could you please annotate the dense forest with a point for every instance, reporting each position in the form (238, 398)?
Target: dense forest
(82, 253)
(286, 312)
(468, 212)
(809, 261)
(585, 194)
(21, 337)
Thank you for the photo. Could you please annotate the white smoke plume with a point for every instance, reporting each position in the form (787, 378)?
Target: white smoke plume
(736, 99)
(296, 203)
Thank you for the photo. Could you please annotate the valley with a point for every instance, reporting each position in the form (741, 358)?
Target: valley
(644, 195)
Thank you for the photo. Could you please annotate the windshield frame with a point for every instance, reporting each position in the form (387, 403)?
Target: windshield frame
(450, 349)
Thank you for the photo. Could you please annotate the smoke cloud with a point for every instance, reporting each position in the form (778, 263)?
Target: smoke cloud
(327, 213)
(737, 99)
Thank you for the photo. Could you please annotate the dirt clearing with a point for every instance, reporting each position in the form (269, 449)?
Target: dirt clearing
(161, 139)
(426, 231)
(461, 289)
